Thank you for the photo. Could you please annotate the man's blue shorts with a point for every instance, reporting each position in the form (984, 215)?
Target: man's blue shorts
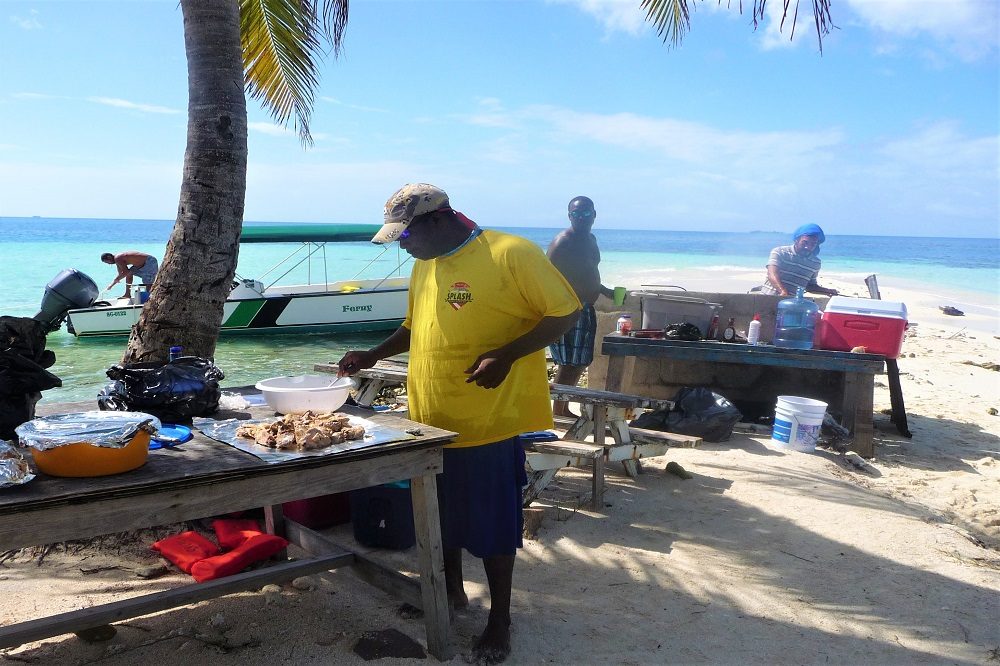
(480, 497)
(576, 346)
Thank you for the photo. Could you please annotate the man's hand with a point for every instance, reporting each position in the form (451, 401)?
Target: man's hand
(489, 369)
(355, 361)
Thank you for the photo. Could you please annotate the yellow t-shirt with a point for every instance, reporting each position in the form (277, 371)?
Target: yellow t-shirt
(490, 292)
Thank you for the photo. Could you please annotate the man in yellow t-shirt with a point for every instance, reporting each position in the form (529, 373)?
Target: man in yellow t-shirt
(483, 305)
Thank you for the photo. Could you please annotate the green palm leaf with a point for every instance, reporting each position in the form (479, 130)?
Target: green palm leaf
(283, 44)
(672, 18)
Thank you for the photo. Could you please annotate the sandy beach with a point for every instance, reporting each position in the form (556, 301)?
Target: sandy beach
(764, 556)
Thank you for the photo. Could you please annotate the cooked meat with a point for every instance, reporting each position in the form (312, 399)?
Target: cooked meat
(307, 431)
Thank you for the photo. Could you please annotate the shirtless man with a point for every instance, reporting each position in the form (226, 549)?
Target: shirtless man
(131, 263)
(574, 252)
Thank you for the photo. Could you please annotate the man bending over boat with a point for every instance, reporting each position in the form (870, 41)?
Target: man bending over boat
(132, 263)
(482, 307)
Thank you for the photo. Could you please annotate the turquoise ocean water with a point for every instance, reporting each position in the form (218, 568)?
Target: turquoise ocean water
(34, 250)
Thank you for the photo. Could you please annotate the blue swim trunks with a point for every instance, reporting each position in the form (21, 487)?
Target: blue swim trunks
(480, 496)
(576, 346)
(148, 271)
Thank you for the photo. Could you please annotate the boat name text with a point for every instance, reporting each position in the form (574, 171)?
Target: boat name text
(357, 308)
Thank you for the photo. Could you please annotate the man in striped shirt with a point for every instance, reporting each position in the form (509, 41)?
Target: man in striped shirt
(797, 265)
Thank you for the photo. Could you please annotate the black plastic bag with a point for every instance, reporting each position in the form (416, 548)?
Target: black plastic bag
(173, 392)
(682, 331)
(23, 374)
(697, 411)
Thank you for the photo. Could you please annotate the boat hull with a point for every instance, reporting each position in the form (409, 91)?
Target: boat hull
(324, 311)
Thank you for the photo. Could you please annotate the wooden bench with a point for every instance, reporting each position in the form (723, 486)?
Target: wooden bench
(373, 380)
(544, 459)
(604, 411)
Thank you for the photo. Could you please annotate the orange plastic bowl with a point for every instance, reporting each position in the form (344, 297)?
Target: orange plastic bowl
(83, 459)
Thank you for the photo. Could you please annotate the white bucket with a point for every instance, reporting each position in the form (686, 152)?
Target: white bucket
(797, 422)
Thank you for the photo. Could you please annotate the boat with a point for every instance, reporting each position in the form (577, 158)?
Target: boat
(344, 306)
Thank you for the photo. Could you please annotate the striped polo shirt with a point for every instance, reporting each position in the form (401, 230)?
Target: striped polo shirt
(794, 270)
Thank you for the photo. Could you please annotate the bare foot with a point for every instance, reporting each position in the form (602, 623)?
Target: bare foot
(493, 647)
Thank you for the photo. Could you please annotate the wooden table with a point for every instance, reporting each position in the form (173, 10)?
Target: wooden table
(859, 370)
(202, 478)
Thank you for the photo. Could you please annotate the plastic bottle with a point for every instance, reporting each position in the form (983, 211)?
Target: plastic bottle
(713, 328)
(753, 330)
(174, 353)
(796, 322)
(624, 326)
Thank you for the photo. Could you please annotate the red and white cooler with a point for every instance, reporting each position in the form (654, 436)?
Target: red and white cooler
(846, 323)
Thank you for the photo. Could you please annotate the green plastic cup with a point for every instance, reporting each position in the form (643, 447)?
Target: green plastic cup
(619, 295)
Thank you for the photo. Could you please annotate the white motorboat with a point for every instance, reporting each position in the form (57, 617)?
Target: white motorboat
(354, 305)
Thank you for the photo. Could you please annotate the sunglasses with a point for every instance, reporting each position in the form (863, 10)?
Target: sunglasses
(582, 214)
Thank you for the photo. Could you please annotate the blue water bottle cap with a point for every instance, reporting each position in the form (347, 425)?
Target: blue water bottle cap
(176, 350)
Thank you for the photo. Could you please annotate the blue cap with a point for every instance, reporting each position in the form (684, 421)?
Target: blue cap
(809, 230)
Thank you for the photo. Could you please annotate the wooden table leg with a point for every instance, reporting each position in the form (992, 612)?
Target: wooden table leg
(859, 389)
(600, 418)
(274, 523)
(427, 524)
(597, 484)
(615, 377)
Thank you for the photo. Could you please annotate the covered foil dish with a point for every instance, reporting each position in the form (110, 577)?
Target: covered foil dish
(14, 468)
(89, 443)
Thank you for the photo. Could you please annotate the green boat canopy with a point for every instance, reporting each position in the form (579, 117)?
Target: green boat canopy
(308, 233)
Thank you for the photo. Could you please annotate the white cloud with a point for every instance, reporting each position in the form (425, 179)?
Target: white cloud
(31, 95)
(615, 15)
(969, 28)
(357, 107)
(270, 129)
(650, 168)
(125, 104)
(30, 22)
(778, 30)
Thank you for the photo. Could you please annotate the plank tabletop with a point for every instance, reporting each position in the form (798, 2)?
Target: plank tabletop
(729, 352)
(201, 461)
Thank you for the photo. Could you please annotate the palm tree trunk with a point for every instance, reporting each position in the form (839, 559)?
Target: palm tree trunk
(186, 300)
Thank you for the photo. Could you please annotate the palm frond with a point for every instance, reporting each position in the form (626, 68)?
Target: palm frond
(672, 18)
(282, 49)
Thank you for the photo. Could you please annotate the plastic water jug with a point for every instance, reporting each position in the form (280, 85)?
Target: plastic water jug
(796, 322)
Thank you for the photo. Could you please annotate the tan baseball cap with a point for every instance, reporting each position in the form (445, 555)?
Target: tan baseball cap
(408, 202)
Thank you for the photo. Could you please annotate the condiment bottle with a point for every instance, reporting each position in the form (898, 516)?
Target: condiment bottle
(713, 328)
(753, 330)
(624, 326)
(729, 333)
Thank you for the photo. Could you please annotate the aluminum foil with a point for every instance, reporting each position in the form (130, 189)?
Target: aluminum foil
(225, 431)
(14, 469)
(112, 430)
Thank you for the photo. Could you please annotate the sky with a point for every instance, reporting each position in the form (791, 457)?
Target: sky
(516, 106)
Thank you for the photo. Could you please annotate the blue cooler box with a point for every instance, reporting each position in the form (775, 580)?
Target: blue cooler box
(382, 516)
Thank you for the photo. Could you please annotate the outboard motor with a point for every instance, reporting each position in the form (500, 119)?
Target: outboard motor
(69, 290)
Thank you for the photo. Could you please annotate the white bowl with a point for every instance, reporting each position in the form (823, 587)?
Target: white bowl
(287, 395)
